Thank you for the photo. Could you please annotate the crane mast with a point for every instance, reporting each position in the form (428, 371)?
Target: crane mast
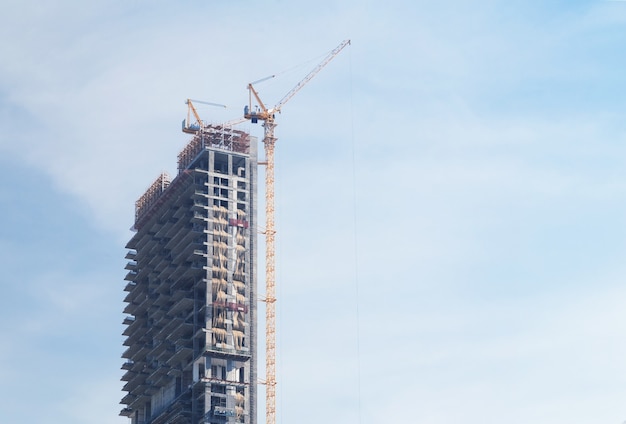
(262, 113)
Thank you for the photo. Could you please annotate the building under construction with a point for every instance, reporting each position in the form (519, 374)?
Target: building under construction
(191, 310)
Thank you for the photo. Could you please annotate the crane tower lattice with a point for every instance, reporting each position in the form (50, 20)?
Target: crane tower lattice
(262, 113)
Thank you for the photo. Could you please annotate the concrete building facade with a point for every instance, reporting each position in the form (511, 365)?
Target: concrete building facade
(190, 309)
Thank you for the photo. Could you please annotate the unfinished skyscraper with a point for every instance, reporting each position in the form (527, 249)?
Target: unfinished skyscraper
(191, 312)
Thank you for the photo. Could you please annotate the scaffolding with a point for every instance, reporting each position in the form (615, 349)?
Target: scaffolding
(216, 136)
(156, 189)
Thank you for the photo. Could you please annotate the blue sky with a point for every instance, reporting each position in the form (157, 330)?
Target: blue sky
(450, 199)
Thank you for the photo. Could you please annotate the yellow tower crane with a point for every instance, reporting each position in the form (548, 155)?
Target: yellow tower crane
(192, 128)
(262, 113)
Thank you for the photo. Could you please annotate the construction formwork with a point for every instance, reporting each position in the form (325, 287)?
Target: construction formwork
(191, 283)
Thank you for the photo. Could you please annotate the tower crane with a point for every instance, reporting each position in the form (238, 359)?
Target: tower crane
(262, 113)
(190, 128)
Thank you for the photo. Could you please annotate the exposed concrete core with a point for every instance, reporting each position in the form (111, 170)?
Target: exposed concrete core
(191, 310)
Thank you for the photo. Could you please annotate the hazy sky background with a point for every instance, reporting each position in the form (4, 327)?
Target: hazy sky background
(451, 199)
